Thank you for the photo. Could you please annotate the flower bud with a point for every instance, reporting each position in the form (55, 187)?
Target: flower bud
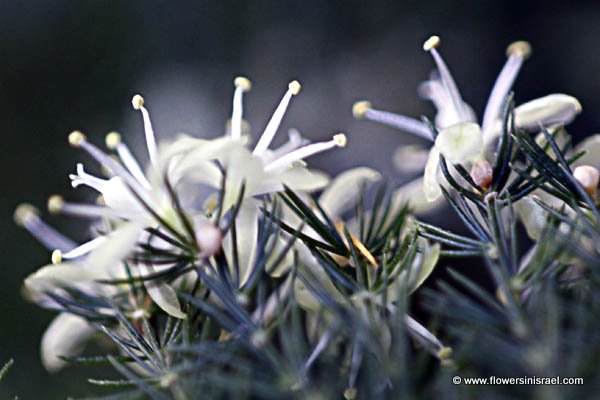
(588, 177)
(554, 109)
(208, 238)
(482, 174)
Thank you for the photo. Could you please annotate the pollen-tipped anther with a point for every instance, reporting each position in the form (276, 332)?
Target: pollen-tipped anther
(431, 43)
(55, 204)
(295, 87)
(520, 48)
(360, 108)
(112, 140)
(588, 177)
(23, 212)
(56, 257)
(340, 140)
(242, 83)
(76, 138)
(137, 102)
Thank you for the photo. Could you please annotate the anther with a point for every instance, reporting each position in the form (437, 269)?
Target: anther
(431, 43)
(137, 102)
(294, 87)
(24, 212)
(55, 204)
(340, 140)
(112, 140)
(242, 83)
(76, 138)
(56, 257)
(360, 108)
(520, 48)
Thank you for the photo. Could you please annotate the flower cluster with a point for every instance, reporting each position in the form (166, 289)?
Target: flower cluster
(238, 272)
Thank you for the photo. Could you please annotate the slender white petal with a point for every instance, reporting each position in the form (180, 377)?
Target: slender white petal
(460, 142)
(246, 235)
(413, 193)
(532, 215)
(591, 146)
(429, 259)
(435, 91)
(554, 109)
(410, 159)
(271, 129)
(344, 190)
(431, 186)
(56, 275)
(118, 245)
(162, 294)
(65, 336)
(305, 298)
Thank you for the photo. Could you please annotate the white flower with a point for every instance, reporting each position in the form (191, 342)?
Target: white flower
(66, 337)
(136, 202)
(461, 139)
(259, 171)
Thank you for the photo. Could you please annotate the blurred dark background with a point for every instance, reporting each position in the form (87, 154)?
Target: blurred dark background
(68, 65)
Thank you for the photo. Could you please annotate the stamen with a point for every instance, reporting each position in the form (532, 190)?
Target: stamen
(241, 85)
(517, 52)
(84, 248)
(27, 217)
(269, 133)
(113, 142)
(338, 140)
(430, 46)
(138, 104)
(56, 205)
(363, 109)
(77, 139)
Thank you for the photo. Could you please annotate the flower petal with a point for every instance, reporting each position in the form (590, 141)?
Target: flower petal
(411, 159)
(591, 146)
(162, 294)
(431, 186)
(532, 216)
(117, 246)
(430, 257)
(52, 275)
(460, 142)
(65, 336)
(345, 189)
(413, 193)
(554, 109)
(246, 225)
